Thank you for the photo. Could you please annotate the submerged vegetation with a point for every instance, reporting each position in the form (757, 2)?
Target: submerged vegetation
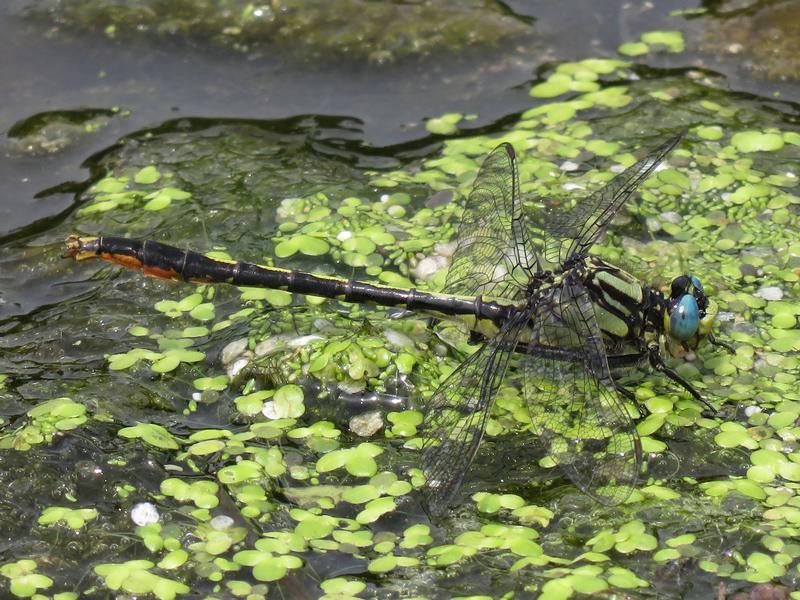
(215, 440)
(376, 31)
(759, 35)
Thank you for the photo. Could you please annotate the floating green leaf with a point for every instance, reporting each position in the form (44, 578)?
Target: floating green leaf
(152, 433)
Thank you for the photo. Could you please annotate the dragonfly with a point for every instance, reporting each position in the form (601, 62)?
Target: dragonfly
(554, 321)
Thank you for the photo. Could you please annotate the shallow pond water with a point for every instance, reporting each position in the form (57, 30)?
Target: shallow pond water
(164, 440)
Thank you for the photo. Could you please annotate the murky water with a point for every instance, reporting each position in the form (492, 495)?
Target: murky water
(346, 148)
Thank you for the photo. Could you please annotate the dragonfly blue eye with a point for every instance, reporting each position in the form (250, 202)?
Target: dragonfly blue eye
(697, 285)
(684, 318)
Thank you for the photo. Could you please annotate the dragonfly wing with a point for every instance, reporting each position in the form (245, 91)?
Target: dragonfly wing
(457, 413)
(490, 258)
(575, 407)
(572, 232)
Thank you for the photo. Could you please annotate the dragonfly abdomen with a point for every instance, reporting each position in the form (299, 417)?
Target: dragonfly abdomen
(168, 262)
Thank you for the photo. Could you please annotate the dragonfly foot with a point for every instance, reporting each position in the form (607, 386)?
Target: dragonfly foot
(658, 365)
(715, 342)
(632, 397)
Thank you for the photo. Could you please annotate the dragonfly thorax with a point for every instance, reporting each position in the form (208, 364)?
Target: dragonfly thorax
(538, 282)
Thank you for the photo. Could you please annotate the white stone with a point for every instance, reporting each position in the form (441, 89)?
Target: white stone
(271, 344)
(237, 367)
(144, 513)
(305, 340)
(568, 165)
(367, 424)
(233, 351)
(429, 266)
(221, 522)
(271, 411)
(671, 217)
(749, 411)
(769, 293)
(396, 338)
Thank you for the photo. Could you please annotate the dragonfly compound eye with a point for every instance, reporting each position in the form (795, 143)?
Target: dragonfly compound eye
(697, 285)
(684, 318)
(680, 285)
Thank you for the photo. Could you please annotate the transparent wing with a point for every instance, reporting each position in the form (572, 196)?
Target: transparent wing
(571, 232)
(575, 408)
(490, 258)
(456, 415)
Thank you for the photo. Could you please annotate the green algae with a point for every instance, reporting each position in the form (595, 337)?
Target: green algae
(24, 581)
(376, 32)
(134, 576)
(55, 131)
(313, 489)
(46, 421)
(669, 41)
(759, 38)
(74, 518)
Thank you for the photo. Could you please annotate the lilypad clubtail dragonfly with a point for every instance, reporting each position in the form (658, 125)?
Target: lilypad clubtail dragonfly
(525, 283)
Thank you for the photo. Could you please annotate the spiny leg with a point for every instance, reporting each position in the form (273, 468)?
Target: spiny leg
(715, 342)
(654, 356)
(631, 397)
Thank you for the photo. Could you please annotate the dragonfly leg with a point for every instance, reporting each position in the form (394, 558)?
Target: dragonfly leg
(632, 397)
(654, 355)
(715, 342)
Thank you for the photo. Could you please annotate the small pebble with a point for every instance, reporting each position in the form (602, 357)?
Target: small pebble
(725, 316)
(367, 424)
(270, 411)
(568, 165)
(429, 266)
(653, 224)
(440, 198)
(751, 410)
(671, 216)
(305, 340)
(237, 367)
(144, 513)
(221, 522)
(446, 248)
(233, 351)
(769, 293)
(398, 339)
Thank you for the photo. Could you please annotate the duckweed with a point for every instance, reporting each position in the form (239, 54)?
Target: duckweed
(271, 440)
(358, 461)
(134, 576)
(268, 561)
(375, 509)
(444, 125)
(74, 518)
(45, 421)
(202, 494)
(24, 580)
(339, 587)
(153, 434)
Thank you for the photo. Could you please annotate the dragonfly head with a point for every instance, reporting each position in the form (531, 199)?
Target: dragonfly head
(690, 314)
